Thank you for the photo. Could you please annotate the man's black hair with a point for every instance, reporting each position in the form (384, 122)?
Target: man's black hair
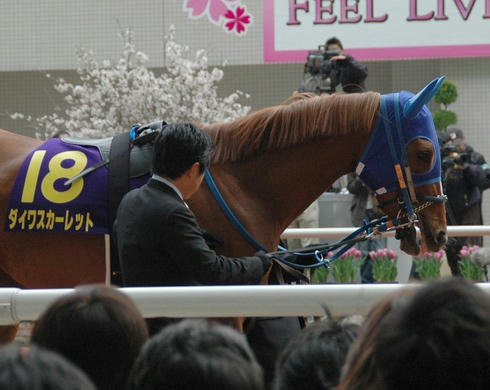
(334, 41)
(38, 368)
(98, 328)
(314, 358)
(196, 354)
(440, 339)
(178, 147)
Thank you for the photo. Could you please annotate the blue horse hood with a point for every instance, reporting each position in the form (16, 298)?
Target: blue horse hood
(376, 166)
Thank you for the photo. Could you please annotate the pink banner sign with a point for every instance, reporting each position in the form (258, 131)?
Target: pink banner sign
(377, 29)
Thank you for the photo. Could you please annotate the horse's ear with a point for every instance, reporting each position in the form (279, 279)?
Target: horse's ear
(415, 103)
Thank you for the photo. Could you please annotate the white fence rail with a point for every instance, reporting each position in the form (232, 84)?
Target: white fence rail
(212, 301)
(233, 301)
(340, 232)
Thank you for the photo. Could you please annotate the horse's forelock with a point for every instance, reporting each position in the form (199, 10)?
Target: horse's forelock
(297, 121)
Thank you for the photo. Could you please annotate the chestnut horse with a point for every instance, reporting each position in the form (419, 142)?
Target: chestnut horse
(269, 166)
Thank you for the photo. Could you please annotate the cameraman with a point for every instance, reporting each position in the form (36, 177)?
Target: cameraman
(465, 176)
(346, 71)
(328, 67)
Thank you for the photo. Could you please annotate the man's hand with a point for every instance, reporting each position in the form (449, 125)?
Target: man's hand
(337, 58)
(266, 261)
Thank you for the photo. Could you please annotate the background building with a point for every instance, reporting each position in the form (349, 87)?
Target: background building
(42, 36)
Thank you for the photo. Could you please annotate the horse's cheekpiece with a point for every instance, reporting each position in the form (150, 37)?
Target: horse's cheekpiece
(62, 186)
(376, 166)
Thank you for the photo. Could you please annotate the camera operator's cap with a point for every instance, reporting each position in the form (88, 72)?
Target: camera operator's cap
(456, 136)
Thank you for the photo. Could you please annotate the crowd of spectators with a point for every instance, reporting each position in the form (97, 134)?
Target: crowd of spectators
(430, 337)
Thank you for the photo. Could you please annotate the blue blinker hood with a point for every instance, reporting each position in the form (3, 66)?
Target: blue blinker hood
(402, 118)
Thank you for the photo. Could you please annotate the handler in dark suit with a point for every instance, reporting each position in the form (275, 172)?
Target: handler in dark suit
(158, 238)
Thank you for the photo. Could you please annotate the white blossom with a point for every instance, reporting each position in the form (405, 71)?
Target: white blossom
(114, 95)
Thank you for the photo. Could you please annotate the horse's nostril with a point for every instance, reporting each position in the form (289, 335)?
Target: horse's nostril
(441, 237)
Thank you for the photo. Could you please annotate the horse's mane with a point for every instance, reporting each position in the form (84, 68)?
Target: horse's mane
(299, 119)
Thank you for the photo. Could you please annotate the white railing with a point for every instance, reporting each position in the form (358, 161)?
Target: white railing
(224, 301)
(233, 301)
(340, 232)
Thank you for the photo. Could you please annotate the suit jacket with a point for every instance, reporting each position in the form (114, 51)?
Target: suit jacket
(160, 244)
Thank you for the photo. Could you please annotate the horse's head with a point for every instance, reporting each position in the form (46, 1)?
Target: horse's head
(402, 165)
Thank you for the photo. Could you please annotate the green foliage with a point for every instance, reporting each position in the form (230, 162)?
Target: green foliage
(321, 275)
(428, 269)
(345, 269)
(447, 94)
(384, 269)
(469, 270)
(444, 118)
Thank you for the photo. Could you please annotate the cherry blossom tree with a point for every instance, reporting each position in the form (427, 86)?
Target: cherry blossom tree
(112, 96)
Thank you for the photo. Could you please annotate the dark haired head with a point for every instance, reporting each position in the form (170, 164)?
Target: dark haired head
(334, 41)
(360, 371)
(314, 358)
(196, 354)
(98, 328)
(36, 368)
(178, 147)
(439, 340)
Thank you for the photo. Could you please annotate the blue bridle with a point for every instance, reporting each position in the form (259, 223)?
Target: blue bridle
(384, 172)
(375, 168)
(380, 225)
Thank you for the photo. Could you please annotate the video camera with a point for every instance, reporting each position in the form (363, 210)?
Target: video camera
(317, 71)
(451, 156)
(318, 61)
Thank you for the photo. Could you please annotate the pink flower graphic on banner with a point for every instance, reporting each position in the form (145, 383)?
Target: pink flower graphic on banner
(216, 8)
(238, 20)
(235, 19)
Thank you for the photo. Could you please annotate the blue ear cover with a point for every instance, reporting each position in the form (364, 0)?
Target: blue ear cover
(415, 104)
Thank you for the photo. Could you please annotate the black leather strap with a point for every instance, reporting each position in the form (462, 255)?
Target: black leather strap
(118, 186)
(298, 275)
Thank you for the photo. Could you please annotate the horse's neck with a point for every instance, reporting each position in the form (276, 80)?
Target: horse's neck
(283, 183)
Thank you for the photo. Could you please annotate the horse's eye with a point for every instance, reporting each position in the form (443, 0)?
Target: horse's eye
(425, 156)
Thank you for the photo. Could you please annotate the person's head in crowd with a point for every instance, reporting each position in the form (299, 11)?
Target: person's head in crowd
(182, 153)
(96, 327)
(334, 43)
(314, 358)
(360, 371)
(196, 354)
(456, 137)
(36, 368)
(439, 340)
(60, 134)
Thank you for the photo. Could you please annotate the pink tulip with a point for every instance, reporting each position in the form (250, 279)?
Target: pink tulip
(474, 248)
(464, 252)
(392, 254)
(329, 254)
(427, 255)
(438, 255)
(372, 254)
